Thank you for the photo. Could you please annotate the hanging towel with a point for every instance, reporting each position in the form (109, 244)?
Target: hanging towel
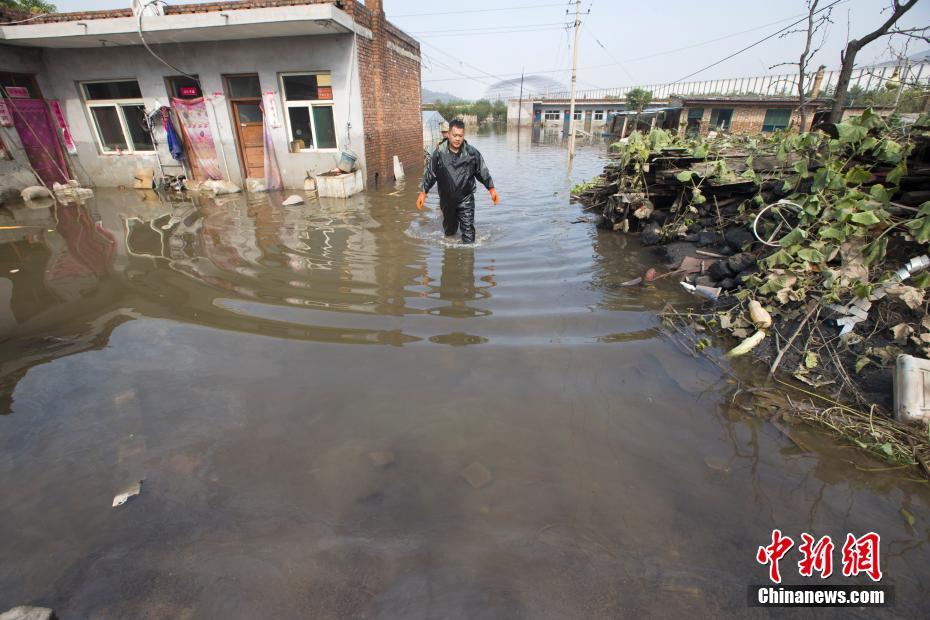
(174, 142)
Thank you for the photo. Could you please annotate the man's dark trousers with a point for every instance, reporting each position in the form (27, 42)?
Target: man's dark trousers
(461, 215)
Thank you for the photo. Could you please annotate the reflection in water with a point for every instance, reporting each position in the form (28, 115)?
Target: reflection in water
(198, 344)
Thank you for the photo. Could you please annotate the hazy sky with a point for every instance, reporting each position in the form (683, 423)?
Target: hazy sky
(622, 43)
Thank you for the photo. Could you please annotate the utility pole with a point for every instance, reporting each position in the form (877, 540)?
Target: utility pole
(571, 109)
(520, 109)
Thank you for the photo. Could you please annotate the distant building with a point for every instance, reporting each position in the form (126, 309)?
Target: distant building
(326, 75)
(591, 115)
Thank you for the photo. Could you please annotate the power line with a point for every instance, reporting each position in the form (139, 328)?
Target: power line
(759, 42)
(709, 41)
(459, 60)
(481, 34)
(487, 29)
(504, 8)
(637, 58)
(611, 56)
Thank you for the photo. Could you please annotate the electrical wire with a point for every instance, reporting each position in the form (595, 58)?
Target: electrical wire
(481, 34)
(150, 50)
(498, 9)
(759, 42)
(23, 21)
(636, 58)
(611, 56)
(486, 28)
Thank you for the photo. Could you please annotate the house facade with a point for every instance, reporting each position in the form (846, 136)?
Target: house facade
(247, 86)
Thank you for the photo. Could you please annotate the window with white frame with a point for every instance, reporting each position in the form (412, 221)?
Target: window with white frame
(598, 115)
(577, 114)
(117, 114)
(308, 101)
(552, 115)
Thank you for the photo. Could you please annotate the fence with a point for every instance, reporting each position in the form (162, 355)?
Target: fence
(865, 78)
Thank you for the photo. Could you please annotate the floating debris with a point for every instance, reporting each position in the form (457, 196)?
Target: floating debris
(381, 458)
(28, 612)
(125, 496)
(747, 345)
(477, 475)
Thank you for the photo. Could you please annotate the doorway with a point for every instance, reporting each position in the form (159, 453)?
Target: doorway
(33, 122)
(245, 100)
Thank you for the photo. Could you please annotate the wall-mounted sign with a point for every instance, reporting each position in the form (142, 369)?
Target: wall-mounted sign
(17, 92)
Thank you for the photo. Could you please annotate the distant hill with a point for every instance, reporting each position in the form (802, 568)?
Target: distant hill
(432, 96)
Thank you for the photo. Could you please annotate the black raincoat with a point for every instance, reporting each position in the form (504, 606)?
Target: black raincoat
(456, 173)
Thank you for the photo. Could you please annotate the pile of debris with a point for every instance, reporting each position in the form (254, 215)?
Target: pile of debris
(827, 231)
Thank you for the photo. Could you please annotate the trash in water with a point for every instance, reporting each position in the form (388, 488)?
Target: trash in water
(381, 458)
(632, 282)
(691, 264)
(717, 464)
(28, 612)
(123, 497)
(650, 276)
(291, 200)
(477, 475)
(710, 292)
(143, 178)
(759, 315)
(747, 345)
(255, 186)
(213, 187)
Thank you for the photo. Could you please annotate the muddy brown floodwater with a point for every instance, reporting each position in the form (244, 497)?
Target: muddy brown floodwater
(338, 413)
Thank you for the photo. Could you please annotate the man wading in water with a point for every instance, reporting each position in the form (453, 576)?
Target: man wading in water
(455, 164)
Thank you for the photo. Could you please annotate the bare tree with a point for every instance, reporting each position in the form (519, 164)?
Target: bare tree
(848, 56)
(817, 20)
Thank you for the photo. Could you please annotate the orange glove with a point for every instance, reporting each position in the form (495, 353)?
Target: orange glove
(494, 197)
(421, 200)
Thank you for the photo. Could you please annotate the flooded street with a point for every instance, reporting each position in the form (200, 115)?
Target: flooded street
(337, 412)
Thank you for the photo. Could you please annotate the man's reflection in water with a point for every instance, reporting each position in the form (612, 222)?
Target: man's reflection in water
(457, 283)
(457, 286)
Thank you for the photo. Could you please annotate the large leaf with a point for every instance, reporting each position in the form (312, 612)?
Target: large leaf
(875, 251)
(857, 176)
(795, 237)
(850, 133)
(894, 177)
(865, 218)
(880, 194)
(684, 176)
(833, 232)
(812, 256)
(890, 151)
(781, 258)
(920, 228)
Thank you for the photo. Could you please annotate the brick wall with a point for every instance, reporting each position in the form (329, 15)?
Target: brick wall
(746, 119)
(389, 70)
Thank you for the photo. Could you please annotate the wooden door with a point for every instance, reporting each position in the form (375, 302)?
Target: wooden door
(247, 115)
